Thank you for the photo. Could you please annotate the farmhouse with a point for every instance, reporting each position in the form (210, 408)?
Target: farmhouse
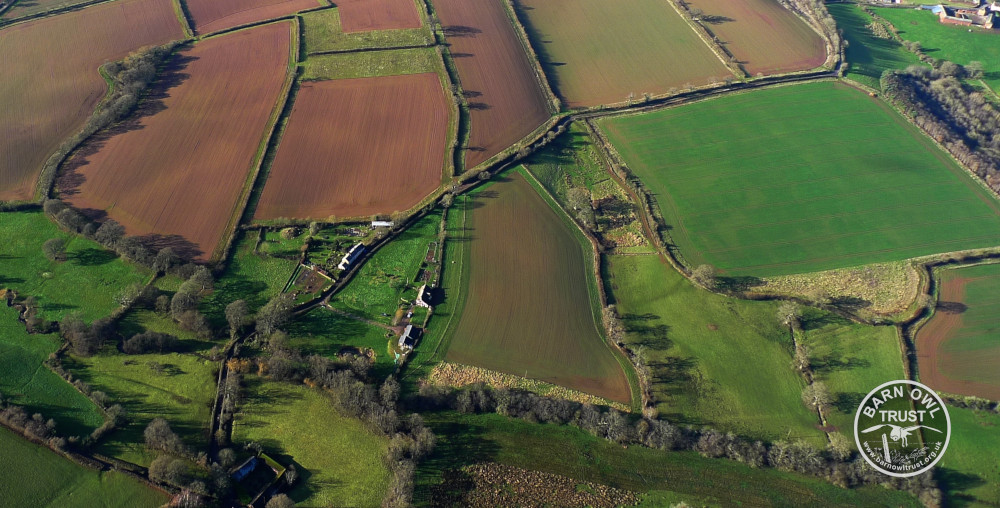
(422, 296)
(983, 16)
(351, 256)
(409, 338)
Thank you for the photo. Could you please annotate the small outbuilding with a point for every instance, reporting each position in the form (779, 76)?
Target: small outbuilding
(351, 256)
(408, 340)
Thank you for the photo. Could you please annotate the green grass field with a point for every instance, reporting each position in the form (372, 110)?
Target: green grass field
(869, 56)
(665, 477)
(25, 381)
(597, 52)
(181, 392)
(87, 282)
(372, 64)
(323, 33)
(528, 296)
(715, 361)
(969, 471)
(324, 332)
(392, 270)
(954, 43)
(35, 476)
(802, 178)
(851, 359)
(339, 461)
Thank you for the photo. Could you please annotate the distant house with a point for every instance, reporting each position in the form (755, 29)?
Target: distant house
(351, 256)
(381, 224)
(983, 16)
(409, 338)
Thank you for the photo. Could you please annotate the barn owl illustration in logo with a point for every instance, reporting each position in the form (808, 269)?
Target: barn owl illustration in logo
(898, 433)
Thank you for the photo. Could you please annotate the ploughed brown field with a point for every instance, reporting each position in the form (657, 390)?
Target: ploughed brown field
(214, 15)
(175, 171)
(50, 83)
(366, 15)
(764, 36)
(506, 101)
(359, 147)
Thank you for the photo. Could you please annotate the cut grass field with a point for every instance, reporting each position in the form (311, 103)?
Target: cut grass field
(187, 190)
(323, 32)
(86, 283)
(714, 360)
(802, 178)
(665, 478)
(327, 333)
(851, 359)
(385, 153)
(339, 461)
(214, 15)
(51, 87)
(25, 381)
(969, 473)
(377, 288)
(764, 36)
(948, 42)
(529, 296)
(370, 64)
(958, 349)
(869, 56)
(42, 478)
(505, 99)
(596, 52)
(181, 391)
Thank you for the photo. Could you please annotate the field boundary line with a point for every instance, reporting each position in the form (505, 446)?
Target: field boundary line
(368, 50)
(553, 104)
(45, 14)
(183, 17)
(711, 40)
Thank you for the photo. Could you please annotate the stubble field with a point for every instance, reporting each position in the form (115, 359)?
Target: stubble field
(174, 172)
(384, 150)
(802, 178)
(51, 82)
(506, 102)
(214, 15)
(598, 52)
(367, 15)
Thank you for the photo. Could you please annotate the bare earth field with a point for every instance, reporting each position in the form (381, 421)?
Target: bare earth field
(51, 84)
(359, 147)
(214, 15)
(959, 348)
(367, 15)
(506, 101)
(597, 52)
(764, 36)
(528, 300)
(175, 170)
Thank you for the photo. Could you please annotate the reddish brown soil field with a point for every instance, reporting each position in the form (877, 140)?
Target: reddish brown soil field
(214, 15)
(957, 348)
(175, 171)
(359, 147)
(764, 36)
(505, 99)
(50, 83)
(367, 15)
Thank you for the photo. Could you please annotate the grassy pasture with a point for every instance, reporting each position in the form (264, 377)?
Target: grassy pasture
(802, 178)
(596, 52)
(42, 478)
(764, 36)
(324, 33)
(86, 282)
(869, 56)
(381, 282)
(715, 361)
(25, 381)
(53, 84)
(528, 293)
(370, 64)
(959, 347)
(324, 332)
(339, 460)
(851, 359)
(969, 472)
(665, 478)
(948, 42)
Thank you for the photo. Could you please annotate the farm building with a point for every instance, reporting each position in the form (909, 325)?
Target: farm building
(381, 224)
(409, 338)
(983, 16)
(422, 296)
(351, 256)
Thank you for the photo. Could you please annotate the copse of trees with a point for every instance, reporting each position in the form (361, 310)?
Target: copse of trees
(150, 342)
(87, 340)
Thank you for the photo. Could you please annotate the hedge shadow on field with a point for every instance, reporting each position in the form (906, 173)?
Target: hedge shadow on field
(671, 374)
(953, 482)
(952, 307)
(458, 445)
(538, 44)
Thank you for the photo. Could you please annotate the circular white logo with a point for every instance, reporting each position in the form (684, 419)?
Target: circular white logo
(902, 428)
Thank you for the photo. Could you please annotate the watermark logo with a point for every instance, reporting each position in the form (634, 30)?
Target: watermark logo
(902, 428)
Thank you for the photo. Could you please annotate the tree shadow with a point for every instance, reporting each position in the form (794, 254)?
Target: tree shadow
(181, 246)
(460, 31)
(738, 283)
(715, 19)
(848, 402)
(818, 319)
(850, 303)
(952, 307)
(92, 257)
(835, 362)
(439, 479)
(954, 482)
